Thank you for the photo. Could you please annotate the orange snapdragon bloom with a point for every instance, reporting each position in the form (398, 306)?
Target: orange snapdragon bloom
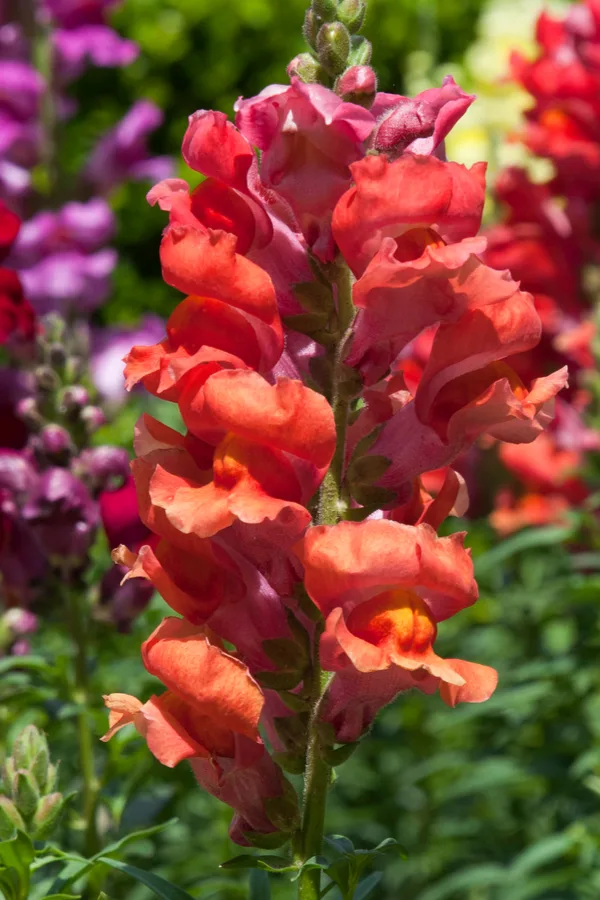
(209, 715)
(382, 588)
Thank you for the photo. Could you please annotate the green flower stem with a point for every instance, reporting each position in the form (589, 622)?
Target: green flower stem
(80, 696)
(317, 773)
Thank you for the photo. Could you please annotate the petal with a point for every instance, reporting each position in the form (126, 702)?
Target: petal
(217, 685)
(480, 683)
(123, 710)
(352, 561)
(286, 416)
(412, 191)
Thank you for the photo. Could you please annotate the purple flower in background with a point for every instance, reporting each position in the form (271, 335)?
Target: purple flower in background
(51, 480)
(21, 89)
(62, 514)
(84, 227)
(122, 154)
(110, 345)
(22, 559)
(91, 44)
(54, 255)
(70, 281)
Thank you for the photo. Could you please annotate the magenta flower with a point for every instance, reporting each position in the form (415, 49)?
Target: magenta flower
(309, 138)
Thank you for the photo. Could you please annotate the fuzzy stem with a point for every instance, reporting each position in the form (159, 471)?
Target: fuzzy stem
(317, 773)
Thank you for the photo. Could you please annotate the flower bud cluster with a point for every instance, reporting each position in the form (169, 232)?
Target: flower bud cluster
(295, 521)
(339, 56)
(29, 800)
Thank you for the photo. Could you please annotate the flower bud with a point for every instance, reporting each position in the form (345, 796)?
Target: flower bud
(358, 85)
(73, 398)
(27, 745)
(8, 773)
(74, 368)
(360, 51)
(53, 327)
(39, 767)
(26, 793)
(310, 29)
(56, 355)
(333, 47)
(51, 777)
(46, 379)
(325, 9)
(306, 68)
(93, 418)
(47, 816)
(352, 14)
(55, 443)
(10, 819)
(100, 466)
(27, 410)
(19, 621)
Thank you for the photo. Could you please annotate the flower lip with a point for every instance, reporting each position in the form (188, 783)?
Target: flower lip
(397, 619)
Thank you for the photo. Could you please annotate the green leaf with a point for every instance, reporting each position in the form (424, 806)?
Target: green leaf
(18, 853)
(260, 888)
(268, 863)
(77, 869)
(315, 862)
(542, 852)
(62, 897)
(290, 762)
(10, 884)
(294, 701)
(160, 886)
(479, 876)
(525, 540)
(31, 663)
(279, 681)
(134, 836)
(335, 756)
(366, 887)
(286, 654)
(272, 841)
(339, 843)
(390, 844)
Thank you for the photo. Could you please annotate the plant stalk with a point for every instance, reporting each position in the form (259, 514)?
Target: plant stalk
(317, 773)
(81, 697)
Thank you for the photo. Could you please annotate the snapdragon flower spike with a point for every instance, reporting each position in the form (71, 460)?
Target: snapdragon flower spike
(350, 225)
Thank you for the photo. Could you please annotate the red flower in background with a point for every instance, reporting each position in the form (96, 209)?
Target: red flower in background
(17, 317)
